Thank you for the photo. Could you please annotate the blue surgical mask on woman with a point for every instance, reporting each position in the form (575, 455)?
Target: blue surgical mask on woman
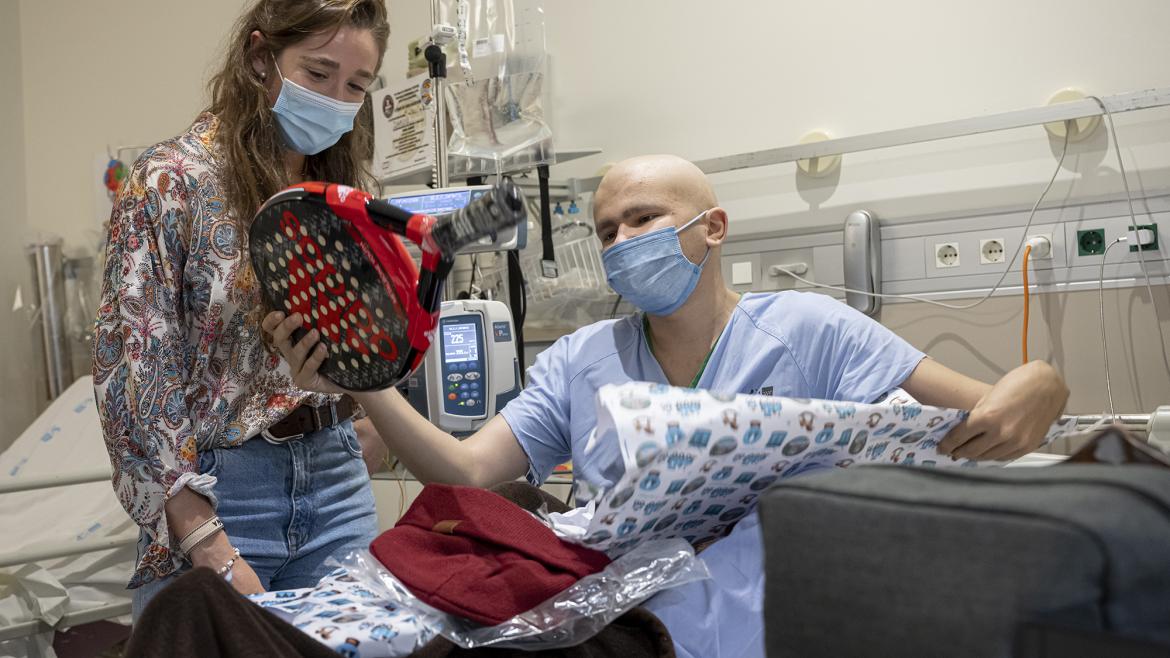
(652, 272)
(311, 122)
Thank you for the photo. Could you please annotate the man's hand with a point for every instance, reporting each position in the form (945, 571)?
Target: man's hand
(1011, 419)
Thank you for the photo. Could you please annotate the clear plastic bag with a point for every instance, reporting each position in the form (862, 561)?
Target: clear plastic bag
(496, 90)
(567, 619)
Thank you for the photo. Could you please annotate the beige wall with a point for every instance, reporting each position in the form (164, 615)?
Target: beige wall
(703, 79)
(717, 79)
(20, 365)
(75, 79)
(695, 77)
(984, 342)
(100, 75)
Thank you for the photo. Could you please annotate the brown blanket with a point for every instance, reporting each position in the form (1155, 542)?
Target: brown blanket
(201, 616)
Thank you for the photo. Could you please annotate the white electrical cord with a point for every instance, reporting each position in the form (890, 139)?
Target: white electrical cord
(956, 307)
(1101, 310)
(1134, 224)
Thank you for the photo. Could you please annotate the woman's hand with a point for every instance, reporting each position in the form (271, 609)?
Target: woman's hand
(305, 357)
(244, 579)
(215, 553)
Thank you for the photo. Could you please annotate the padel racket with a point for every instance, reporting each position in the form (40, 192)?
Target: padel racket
(333, 254)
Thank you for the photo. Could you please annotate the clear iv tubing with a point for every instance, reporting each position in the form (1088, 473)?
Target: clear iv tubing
(1101, 281)
(956, 307)
(1140, 248)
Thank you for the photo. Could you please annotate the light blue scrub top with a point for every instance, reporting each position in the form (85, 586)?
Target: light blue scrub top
(792, 344)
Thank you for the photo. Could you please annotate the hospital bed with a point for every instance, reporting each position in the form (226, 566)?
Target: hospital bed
(68, 546)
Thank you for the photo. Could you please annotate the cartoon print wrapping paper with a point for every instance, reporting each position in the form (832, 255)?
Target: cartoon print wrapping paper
(695, 462)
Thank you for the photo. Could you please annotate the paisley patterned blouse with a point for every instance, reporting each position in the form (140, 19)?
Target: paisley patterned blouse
(179, 366)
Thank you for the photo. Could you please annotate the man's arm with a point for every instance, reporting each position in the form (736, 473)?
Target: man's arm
(490, 456)
(934, 384)
(1008, 420)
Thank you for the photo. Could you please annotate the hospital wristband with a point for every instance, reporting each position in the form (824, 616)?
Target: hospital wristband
(198, 535)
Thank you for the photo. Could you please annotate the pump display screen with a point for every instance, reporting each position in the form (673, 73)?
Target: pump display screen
(464, 382)
(460, 343)
(436, 203)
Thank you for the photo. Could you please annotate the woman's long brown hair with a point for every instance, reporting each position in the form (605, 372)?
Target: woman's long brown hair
(250, 146)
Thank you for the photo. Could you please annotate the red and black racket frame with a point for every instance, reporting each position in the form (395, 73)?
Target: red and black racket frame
(419, 290)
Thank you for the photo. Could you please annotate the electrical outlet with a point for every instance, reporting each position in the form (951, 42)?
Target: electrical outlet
(1051, 247)
(1152, 246)
(946, 254)
(1091, 242)
(991, 251)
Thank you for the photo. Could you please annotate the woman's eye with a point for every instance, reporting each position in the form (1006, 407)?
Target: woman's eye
(645, 219)
(358, 88)
(317, 75)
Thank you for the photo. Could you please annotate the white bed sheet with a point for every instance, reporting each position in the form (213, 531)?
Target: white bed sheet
(66, 438)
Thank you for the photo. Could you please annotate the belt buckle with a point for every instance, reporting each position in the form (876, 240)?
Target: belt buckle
(319, 421)
(333, 420)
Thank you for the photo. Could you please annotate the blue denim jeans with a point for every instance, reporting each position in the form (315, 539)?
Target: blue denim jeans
(289, 507)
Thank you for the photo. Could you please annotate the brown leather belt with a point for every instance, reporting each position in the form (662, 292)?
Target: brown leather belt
(306, 420)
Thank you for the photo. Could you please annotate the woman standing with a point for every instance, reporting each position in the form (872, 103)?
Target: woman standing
(221, 460)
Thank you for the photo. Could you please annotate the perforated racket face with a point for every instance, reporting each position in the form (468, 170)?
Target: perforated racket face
(310, 261)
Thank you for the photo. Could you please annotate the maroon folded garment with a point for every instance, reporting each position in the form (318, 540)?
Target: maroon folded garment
(473, 553)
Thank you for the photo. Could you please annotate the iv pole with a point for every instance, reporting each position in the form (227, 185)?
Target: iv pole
(437, 65)
(437, 68)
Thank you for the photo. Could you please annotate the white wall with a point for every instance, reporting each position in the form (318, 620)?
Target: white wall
(695, 77)
(100, 75)
(76, 79)
(20, 365)
(722, 78)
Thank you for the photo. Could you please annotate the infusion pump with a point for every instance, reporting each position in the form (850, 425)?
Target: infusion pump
(448, 200)
(471, 370)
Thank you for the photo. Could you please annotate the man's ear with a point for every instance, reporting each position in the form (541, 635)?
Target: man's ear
(716, 222)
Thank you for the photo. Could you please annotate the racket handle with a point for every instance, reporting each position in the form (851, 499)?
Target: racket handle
(501, 208)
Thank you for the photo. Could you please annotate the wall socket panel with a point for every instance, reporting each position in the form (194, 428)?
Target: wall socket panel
(910, 253)
(979, 255)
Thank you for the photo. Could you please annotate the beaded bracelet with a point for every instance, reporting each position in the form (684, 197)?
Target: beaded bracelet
(225, 571)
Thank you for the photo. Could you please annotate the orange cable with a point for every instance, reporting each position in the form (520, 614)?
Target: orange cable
(1024, 339)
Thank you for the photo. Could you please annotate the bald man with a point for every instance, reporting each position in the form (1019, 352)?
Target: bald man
(661, 232)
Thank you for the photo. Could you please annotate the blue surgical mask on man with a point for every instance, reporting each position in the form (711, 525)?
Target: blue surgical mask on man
(311, 122)
(651, 271)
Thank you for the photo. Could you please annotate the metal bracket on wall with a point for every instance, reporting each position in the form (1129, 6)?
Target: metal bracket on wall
(1034, 116)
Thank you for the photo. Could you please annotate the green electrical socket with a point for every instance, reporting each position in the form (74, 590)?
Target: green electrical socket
(1091, 242)
(1153, 246)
